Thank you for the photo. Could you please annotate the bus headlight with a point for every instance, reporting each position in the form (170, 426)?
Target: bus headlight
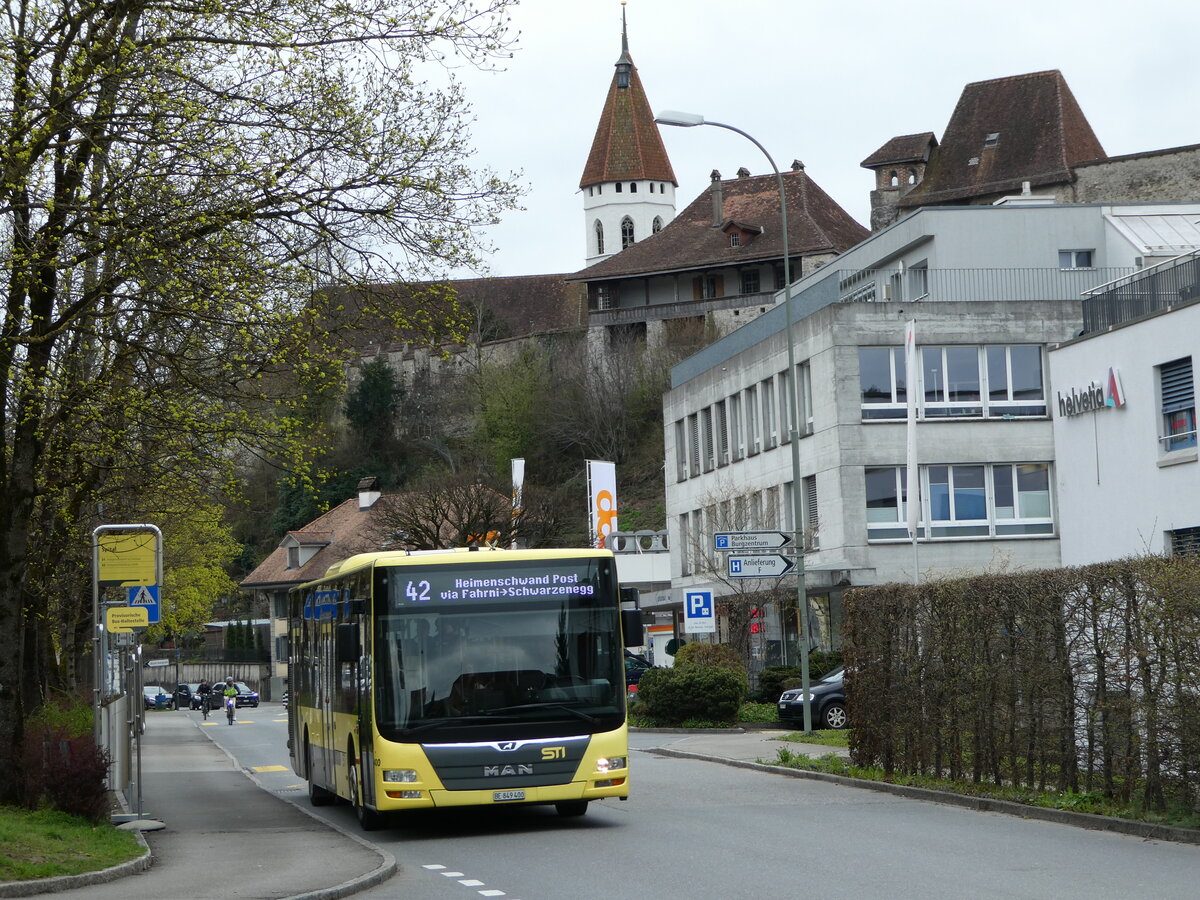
(607, 764)
(400, 776)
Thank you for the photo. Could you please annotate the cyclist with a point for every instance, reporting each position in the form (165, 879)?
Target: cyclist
(230, 694)
(205, 692)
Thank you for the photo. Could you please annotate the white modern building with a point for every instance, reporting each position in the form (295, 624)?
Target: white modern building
(1128, 472)
(989, 288)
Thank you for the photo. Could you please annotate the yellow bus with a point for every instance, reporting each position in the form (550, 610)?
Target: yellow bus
(459, 678)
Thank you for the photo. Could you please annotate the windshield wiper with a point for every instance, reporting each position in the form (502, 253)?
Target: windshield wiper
(524, 707)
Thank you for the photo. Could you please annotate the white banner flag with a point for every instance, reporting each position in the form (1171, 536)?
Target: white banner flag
(913, 481)
(602, 499)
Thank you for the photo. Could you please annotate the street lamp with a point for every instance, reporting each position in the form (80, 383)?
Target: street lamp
(690, 120)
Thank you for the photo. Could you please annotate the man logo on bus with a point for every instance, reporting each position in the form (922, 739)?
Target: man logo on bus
(521, 769)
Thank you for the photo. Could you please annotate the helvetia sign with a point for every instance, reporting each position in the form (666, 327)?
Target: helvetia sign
(1093, 397)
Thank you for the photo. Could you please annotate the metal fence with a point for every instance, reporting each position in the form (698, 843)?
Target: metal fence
(1151, 290)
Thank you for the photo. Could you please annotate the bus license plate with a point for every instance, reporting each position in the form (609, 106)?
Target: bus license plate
(498, 796)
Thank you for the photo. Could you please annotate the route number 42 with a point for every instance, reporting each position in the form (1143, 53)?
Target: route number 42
(417, 592)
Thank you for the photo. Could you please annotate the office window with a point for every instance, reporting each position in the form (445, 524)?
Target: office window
(738, 448)
(882, 382)
(693, 445)
(706, 428)
(951, 380)
(750, 281)
(1178, 394)
(1184, 541)
(787, 407)
(681, 462)
(999, 500)
(1021, 499)
(753, 441)
(722, 427)
(918, 281)
(769, 432)
(812, 519)
(804, 385)
(1075, 259)
(887, 502)
(685, 545)
(1015, 384)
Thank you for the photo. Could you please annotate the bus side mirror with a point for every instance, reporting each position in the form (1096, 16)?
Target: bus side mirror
(631, 627)
(346, 642)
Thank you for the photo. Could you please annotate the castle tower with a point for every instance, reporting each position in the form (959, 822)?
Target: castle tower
(628, 184)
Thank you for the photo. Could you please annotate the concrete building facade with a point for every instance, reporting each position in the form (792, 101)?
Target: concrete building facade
(989, 288)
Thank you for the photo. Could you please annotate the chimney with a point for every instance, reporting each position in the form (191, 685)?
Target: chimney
(368, 492)
(718, 202)
(743, 172)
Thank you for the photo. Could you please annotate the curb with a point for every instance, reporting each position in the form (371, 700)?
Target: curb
(1144, 830)
(387, 862)
(35, 886)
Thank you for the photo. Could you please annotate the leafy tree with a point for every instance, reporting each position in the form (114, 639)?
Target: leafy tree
(372, 405)
(177, 183)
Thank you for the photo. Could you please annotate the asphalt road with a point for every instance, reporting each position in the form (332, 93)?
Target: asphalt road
(696, 829)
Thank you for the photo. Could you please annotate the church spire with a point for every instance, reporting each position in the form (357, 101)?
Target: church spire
(628, 183)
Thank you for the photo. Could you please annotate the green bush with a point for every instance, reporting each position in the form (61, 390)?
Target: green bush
(670, 697)
(774, 680)
(720, 655)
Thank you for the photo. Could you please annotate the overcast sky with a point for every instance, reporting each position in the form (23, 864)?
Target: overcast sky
(824, 82)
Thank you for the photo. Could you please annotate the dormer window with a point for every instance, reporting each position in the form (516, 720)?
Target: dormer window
(735, 239)
(973, 161)
(293, 557)
(991, 140)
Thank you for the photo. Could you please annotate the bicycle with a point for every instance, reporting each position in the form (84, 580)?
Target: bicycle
(204, 705)
(229, 708)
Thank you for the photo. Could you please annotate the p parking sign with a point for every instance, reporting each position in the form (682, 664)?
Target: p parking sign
(699, 613)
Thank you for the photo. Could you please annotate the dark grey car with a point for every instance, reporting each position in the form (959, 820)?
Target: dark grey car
(828, 699)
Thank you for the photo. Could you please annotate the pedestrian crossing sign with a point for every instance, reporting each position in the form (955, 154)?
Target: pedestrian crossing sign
(145, 596)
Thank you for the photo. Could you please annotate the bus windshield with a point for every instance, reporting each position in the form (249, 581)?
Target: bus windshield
(518, 648)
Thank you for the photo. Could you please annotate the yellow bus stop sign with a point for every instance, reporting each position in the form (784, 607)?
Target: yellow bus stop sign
(128, 559)
(124, 619)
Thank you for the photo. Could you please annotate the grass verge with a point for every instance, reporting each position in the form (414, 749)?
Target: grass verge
(48, 844)
(1093, 802)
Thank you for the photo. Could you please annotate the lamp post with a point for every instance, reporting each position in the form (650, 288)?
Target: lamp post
(690, 120)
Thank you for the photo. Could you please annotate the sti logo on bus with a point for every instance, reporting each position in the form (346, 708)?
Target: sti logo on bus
(554, 753)
(500, 771)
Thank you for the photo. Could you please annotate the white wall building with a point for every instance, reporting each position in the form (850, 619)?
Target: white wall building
(1128, 473)
(990, 288)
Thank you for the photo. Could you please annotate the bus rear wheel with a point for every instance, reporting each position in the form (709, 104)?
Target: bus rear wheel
(571, 808)
(317, 795)
(369, 819)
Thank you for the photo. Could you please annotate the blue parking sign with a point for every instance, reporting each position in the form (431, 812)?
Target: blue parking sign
(698, 612)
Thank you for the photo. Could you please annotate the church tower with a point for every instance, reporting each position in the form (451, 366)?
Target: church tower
(628, 184)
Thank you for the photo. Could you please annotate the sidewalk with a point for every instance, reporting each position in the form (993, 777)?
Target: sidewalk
(741, 745)
(224, 836)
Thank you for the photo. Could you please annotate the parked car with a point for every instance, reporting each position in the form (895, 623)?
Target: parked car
(635, 667)
(245, 696)
(155, 697)
(828, 699)
(186, 696)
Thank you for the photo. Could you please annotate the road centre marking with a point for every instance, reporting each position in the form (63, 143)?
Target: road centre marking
(269, 769)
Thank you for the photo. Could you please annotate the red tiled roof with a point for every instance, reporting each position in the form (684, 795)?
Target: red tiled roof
(344, 531)
(816, 224)
(627, 145)
(1041, 134)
